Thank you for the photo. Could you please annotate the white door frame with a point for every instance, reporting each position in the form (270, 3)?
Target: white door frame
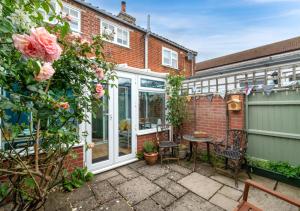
(113, 128)
(99, 165)
(134, 114)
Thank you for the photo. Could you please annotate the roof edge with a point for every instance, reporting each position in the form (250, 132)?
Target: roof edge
(104, 12)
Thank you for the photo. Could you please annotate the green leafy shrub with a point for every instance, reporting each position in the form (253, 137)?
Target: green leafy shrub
(140, 155)
(149, 147)
(77, 179)
(176, 103)
(280, 167)
(4, 188)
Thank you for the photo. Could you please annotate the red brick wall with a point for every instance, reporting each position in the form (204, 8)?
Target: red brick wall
(77, 161)
(155, 57)
(211, 117)
(134, 55)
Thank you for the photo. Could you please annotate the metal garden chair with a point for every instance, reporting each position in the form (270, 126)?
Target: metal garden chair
(234, 149)
(165, 143)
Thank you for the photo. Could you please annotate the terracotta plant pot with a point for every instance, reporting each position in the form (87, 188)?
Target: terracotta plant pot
(151, 158)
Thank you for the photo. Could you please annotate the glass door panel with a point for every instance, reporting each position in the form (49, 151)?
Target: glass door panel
(100, 151)
(125, 116)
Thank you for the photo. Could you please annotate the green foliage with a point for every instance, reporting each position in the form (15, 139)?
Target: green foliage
(77, 178)
(280, 167)
(176, 103)
(4, 189)
(149, 147)
(140, 155)
(51, 128)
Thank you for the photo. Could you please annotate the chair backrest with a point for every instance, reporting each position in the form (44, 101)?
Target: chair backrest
(163, 132)
(237, 140)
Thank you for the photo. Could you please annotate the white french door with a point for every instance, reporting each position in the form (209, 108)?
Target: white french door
(112, 128)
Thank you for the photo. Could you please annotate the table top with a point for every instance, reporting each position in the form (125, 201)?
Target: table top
(195, 139)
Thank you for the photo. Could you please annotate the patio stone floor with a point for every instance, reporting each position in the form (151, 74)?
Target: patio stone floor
(171, 187)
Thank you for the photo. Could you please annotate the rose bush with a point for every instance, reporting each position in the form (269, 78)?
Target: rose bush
(49, 78)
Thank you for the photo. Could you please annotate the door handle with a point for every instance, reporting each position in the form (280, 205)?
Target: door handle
(109, 115)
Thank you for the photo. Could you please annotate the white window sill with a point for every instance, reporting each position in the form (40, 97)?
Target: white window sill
(168, 66)
(115, 43)
(145, 132)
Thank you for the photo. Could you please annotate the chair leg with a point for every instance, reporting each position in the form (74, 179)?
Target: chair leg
(247, 168)
(236, 172)
(226, 163)
(161, 158)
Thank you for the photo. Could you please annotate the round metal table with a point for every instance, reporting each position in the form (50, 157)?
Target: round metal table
(194, 146)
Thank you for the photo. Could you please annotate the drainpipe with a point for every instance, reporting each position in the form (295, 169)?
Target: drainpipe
(146, 42)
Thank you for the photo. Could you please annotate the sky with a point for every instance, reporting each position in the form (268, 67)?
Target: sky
(215, 28)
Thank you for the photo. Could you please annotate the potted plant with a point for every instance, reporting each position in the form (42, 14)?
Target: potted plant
(182, 151)
(150, 153)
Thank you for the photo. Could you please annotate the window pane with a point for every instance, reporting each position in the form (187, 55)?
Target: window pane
(167, 57)
(152, 83)
(125, 37)
(74, 13)
(152, 109)
(119, 36)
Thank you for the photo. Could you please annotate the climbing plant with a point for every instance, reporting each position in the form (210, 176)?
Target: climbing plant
(176, 102)
(49, 77)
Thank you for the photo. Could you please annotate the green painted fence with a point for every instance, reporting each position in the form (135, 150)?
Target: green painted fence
(273, 125)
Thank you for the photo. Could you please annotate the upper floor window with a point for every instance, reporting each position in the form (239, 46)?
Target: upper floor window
(169, 58)
(75, 16)
(116, 34)
(72, 12)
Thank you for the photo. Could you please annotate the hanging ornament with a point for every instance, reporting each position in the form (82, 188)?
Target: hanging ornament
(210, 97)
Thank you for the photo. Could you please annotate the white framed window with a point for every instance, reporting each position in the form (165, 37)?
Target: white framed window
(169, 58)
(71, 11)
(75, 15)
(117, 34)
(152, 104)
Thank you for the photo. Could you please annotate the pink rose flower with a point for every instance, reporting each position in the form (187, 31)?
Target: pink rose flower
(46, 72)
(99, 91)
(27, 46)
(47, 43)
(99, 73)
(40, 44)
(64, 105)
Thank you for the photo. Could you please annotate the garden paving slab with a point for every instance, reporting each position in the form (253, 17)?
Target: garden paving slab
(79, 194)
(175, 176)
(201, 185)
(117, 180)
(180, 169)
(138, 164)
(176, 189)
(115, 205)
(128, 172)
(267, 202)
(228, 181)
(55, 201)
(205, 169)
(153, 172)
(163, 198)
(105, 175)
(86, 205)
(288, 190)
(231, 193)
(104, 192)
(192, 202)
(163, 181)
(224, 202)
(148, 205)
(137, 189)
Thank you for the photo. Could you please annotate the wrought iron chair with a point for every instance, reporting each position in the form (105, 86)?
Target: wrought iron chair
(166, 144)
(234, 149)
